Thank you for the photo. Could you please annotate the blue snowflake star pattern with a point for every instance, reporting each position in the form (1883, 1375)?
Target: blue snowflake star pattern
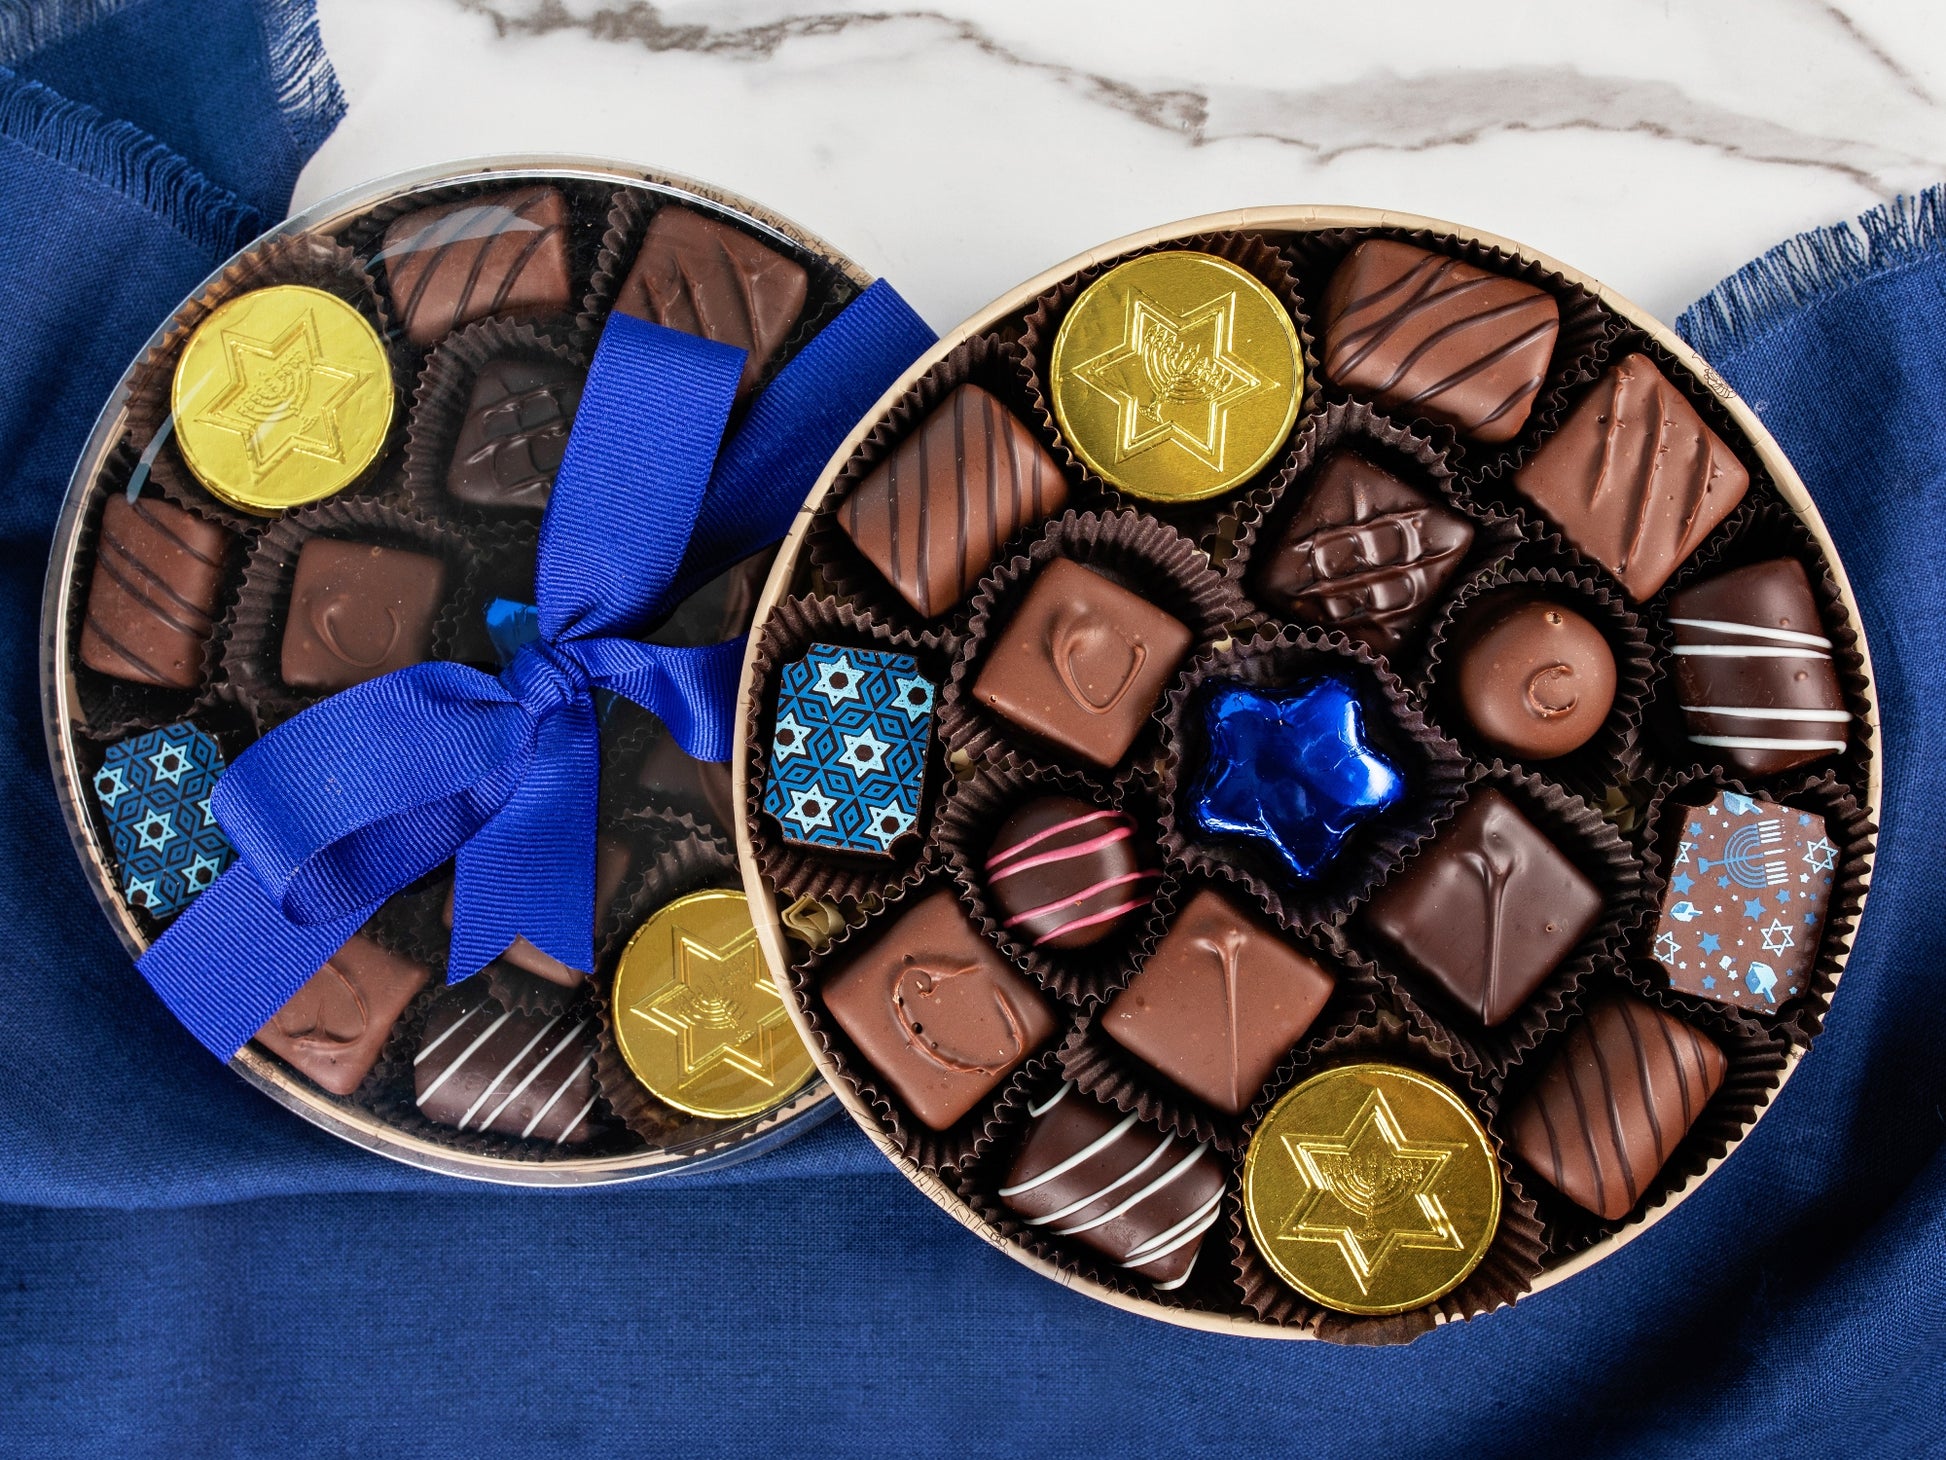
(848, 751)
(1291, 769)
(154, 791)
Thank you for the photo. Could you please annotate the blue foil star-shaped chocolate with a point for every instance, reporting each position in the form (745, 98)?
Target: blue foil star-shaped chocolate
(1291, 768)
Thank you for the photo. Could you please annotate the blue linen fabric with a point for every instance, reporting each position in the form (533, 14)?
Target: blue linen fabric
(185, 1267)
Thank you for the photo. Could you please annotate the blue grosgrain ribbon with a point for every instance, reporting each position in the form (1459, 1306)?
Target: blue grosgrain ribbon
(345, 804)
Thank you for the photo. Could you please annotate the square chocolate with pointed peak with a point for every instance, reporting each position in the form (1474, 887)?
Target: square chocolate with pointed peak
(357, 611)
(1489, 910)
(1218, 1004)
(1083, 662)
(938, 1012)
(334, 1027)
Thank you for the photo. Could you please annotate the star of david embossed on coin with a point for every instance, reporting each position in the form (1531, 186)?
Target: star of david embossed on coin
(282, 397)
(696, 1015)
(1371, 1189)
(1176, 376)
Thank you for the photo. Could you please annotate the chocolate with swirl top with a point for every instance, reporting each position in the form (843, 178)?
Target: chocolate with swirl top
(152, 600)
(1141, 1198)
(1635, 478)
(335, 1025)
(937, 1011)
(502, 254)
(1082, 663)
(1755, 671)
(1488, 910)
(707, 278)
(357, 611)
(935, 513)
(1365, 553)
(1621, 1092)
(481, 1067)
(1427, 335)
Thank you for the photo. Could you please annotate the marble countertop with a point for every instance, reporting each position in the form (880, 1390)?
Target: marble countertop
(961, 147)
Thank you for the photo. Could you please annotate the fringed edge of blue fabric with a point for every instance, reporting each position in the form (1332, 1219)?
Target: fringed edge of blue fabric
(1803, 271)
(126, 160)
(307, 88)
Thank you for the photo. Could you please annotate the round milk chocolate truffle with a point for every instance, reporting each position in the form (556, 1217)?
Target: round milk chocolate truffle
(1065, 874)
(1536, 679)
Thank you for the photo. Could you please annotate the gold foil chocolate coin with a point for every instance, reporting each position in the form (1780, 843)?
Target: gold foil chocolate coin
(281, 397)
(696, 1014)
(1371, 1189)
(1176, 376)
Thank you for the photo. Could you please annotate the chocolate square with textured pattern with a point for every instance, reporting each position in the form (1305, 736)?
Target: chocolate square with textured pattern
(1622, 1090)
(334, 1027)
(1427, 335)
(934, 514)
(1634, 477)
(514, 433)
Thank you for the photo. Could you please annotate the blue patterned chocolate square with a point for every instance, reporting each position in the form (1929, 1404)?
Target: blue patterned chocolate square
(155, 792)
(848, 755)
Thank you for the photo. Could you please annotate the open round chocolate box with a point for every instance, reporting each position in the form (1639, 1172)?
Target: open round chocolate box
(1332, 764)
(331, 463)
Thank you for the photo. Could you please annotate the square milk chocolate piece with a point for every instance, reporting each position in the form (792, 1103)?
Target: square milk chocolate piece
(1634, 477)
(1218, 1004)
(1083, 662)
(357, 611)
(334, 1027)
(938, 1012)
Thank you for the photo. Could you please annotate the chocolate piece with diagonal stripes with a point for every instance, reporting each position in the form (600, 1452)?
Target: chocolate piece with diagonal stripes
(1635, 478)
(1624, 1087)
(934, 514)
(1426, 335)
(1754, 669)
(502, 254)
(152, 600)
(707, 278)
(482, 1067)
(1141, 1198)
(1067, 874)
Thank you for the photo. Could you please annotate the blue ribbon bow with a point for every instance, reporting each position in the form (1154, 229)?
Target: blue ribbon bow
(345, 804)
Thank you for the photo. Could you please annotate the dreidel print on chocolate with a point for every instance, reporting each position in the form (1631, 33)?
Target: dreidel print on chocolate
(848, 752)
(154, 791)
(1749, 885)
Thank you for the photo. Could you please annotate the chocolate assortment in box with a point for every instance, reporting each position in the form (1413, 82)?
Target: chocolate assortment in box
(373, 648)
(1341, 763)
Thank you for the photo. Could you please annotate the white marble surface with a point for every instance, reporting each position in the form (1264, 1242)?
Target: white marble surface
(961, 147)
